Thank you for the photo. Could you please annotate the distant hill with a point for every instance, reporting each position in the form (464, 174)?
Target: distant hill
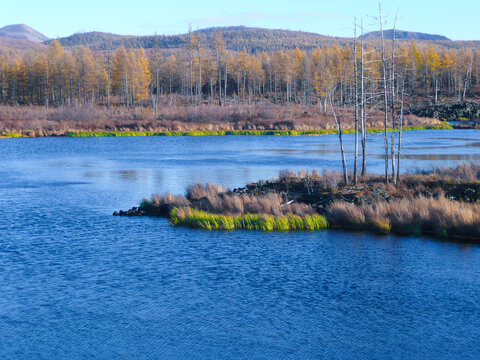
(236, 38)
(22, 32)
(19, 44)
(404, 35)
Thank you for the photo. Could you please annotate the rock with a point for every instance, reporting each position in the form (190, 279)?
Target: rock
(451, 111)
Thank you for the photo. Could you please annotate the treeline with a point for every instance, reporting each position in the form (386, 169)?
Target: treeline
(56, 76)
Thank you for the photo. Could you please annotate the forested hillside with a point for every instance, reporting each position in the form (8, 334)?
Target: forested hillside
(237, 38)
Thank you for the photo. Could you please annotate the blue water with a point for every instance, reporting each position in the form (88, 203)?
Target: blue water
(77, 282)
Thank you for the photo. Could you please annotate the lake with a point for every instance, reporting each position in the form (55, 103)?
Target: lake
(77, 282)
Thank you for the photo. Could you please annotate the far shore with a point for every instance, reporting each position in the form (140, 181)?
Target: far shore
(187, 120)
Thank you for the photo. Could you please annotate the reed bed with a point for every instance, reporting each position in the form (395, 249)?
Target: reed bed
(418, 216)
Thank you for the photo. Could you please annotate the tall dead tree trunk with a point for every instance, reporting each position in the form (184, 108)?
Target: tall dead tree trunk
(190, 59)
(225, 82)
(109, 74)
(199, 86)
(392, 102)
(338, 123)
(385, 98)
(467, 76)
(219, 65)
(400, 125)
(363, 106)
(355, 175)
(219, 47)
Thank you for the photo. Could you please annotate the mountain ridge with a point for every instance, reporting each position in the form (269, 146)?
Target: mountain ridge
(237, 38)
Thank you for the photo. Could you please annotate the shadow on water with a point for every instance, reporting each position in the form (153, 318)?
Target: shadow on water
(130, 175)
(459, 146)
(438, 157)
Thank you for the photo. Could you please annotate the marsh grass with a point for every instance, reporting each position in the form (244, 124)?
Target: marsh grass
(237, 132)
(199, 219)
(440, 217)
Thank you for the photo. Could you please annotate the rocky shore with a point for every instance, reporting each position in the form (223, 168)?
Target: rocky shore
(462, 114)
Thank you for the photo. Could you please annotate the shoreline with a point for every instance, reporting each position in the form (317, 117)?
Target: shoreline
(121, 133)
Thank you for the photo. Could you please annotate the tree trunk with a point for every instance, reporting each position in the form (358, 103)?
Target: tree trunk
(362, 107)
(219, 65)
(355, 163)
(225, 81)
(392, 102)
(385, 99)
(399, 151)
(338, 123)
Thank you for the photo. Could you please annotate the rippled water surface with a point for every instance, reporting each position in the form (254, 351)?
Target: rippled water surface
(76, 282)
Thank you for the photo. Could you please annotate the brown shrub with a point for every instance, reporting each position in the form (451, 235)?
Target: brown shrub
(287, 175)
(463, 172)
(233, 204)
(345, 214)
(330, 179)
(169, 199)
(73, 113)
(198, 191)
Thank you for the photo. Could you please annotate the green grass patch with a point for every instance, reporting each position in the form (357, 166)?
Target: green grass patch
(239, 132)
(11, 135)
(198, 219)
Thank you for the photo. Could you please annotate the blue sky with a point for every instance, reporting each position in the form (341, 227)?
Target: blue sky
(458, 20)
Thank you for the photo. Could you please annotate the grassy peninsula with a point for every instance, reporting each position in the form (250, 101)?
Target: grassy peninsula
(444, 203)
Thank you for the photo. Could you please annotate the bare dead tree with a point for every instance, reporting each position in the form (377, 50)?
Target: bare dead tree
(226, 78)
(199, 85)
(467, 77)
(362, 104)
(338, 123)
(355, 175)
(385, 98)
(156, 59)
(400, 125)
(190, 45)
(392, 101)
(219, 47)
(108, 57)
